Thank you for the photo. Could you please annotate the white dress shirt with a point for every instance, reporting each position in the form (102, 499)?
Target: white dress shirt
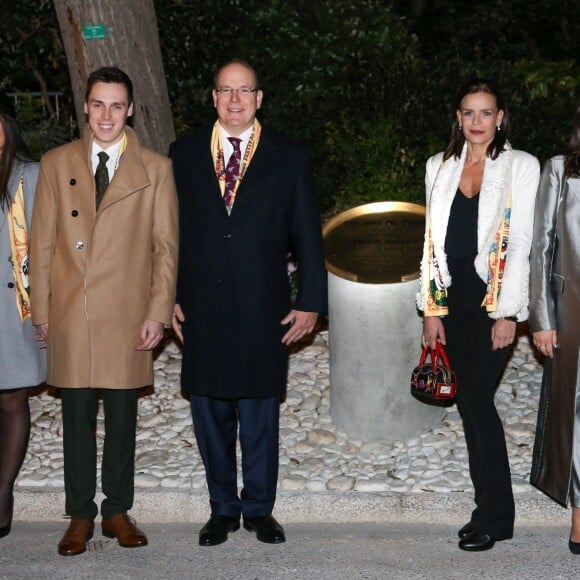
(113, 152)
(229, 148)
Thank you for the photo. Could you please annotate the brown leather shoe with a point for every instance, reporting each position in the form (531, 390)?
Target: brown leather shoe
(75, 539)
(122, 527)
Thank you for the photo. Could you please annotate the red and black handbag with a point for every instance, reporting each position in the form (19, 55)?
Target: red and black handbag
(433, 381)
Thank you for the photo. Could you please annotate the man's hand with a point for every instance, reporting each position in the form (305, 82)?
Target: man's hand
(177, 321)
(302, 324)
(40, 334)
(151, 334)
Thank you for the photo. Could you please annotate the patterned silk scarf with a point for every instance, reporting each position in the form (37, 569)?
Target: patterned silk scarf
(217, 153)
(496, 259)
(435, 291)
(19, 251)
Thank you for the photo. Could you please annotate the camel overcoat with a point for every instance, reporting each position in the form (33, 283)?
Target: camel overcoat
(96, 276)
(555, 305)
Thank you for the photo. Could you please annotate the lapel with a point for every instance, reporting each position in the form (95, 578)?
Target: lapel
(493, 197)
(16, 173)
(444, 189)
(202, 178)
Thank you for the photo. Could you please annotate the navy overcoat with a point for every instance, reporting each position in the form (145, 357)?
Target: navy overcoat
(233, 285)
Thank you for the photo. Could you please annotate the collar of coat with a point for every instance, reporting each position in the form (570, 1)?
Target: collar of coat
(493, 197)
(16, 174)
(131, 175)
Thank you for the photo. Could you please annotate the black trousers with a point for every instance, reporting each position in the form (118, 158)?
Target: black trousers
(79, 415)
(216, 423)
(478, 369)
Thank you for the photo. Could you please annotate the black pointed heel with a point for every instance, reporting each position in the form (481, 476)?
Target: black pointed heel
(574, 547)
(5, 530)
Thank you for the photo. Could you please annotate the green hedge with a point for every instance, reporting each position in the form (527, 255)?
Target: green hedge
(352, 81)
(349, 81)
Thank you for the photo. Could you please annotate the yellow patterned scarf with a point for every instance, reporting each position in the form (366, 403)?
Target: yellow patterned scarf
(217, 153)
(496, 259)
(435, 291)
(19, 250)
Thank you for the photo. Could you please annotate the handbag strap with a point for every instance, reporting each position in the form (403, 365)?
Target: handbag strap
(441, 353)
(436, 353)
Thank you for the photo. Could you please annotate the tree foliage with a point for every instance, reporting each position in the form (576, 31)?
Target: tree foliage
(503, 29)
(31, 49)
(329, 69)
(367, 86)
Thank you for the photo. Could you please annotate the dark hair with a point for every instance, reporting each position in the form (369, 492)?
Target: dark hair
(109, 74)
(14, 148)
(457, 140)
(241, 62)
(572, 161)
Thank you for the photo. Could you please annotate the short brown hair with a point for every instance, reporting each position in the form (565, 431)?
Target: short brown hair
(109, 74)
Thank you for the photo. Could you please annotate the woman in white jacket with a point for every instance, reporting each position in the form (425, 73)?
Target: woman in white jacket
(474, 285)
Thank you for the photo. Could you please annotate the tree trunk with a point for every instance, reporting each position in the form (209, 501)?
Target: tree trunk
(131, 42)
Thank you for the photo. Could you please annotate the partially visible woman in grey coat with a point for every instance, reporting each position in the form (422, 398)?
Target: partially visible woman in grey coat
(22, 358)
(554, 314)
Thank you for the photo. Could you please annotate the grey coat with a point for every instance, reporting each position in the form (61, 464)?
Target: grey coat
(22, 362)
(555, 305)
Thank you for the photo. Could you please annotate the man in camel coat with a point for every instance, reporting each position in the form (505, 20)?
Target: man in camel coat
(103, 272)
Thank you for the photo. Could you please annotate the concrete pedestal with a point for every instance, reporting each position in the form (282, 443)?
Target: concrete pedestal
(375, 341)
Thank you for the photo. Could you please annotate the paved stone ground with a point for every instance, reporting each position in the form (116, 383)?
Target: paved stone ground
(312, 552)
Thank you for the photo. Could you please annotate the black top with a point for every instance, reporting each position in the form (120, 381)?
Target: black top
(461, 238)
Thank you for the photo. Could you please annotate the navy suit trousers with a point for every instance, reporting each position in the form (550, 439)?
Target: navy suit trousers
(216, 423)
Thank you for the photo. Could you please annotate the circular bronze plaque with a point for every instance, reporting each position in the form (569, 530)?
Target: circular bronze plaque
(376, 243)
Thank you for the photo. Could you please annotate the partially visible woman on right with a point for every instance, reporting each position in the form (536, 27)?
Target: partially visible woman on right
(553, 320)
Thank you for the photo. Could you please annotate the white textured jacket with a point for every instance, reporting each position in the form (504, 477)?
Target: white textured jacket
(513, 170)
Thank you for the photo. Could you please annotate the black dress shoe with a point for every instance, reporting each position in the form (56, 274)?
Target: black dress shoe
(477, 542)
(267, 529)
(216, 530)
(466, 531)
(574, 547)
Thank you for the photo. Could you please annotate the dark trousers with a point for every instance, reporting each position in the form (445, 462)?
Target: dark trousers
(478, 369)
(216, 424)
(79, 414)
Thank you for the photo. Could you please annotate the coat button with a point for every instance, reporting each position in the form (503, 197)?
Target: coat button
(227, 236)
(73, 181)
(74, 213)
(79, 245)
(10, 284)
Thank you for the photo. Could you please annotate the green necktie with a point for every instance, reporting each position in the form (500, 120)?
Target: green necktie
(101, 177)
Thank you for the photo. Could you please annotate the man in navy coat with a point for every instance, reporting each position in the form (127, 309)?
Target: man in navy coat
(246, 198)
